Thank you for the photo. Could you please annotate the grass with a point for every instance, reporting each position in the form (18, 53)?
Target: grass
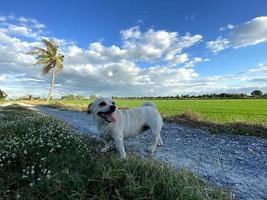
(1, 101)
(219, 111)
(42, 158)
(237, 128)
(235, 116)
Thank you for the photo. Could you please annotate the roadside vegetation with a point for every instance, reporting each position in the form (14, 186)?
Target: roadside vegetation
(43, 158)
(192, 119)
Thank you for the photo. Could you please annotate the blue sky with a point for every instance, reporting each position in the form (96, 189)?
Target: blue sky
(129, 48)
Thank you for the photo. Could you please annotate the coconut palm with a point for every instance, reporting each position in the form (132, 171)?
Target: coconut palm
(50, 59)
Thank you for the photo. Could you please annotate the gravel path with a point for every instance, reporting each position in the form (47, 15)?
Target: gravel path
(235, 162)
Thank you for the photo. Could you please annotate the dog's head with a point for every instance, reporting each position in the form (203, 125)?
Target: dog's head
(103, 108)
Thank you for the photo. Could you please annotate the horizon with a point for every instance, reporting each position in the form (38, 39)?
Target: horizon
(185, 96)
(140, 48)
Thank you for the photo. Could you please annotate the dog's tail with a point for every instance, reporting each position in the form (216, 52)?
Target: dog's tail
(149, 103)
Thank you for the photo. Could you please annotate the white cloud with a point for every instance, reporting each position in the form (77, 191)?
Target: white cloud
(74, 51)
(39, 25)
(150, 46)
(131, 33)
(154, 45)
(190, 17)
(218, 45)
(125, 78)
(2, 77)
(115, 70)
(2, 18)
(30, 22)
(260, 69)
(228, 27)
(249, 33)
(178, 59)
(11, 17)
(36, 24)
(194, 61)
(21, 30)
(12, 51)
(22, 19)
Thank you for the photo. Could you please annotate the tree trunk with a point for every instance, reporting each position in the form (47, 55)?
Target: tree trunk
(52, 84)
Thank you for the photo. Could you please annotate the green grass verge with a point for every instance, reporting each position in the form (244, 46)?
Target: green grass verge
(42, 158)
(236, 128)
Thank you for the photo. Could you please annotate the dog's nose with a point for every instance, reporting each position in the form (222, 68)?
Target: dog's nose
(112, 108)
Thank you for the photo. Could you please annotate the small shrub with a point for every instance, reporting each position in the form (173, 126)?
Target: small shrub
(184, 117)
(3, 95)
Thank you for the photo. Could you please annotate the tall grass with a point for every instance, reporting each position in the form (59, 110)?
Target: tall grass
(42, 158)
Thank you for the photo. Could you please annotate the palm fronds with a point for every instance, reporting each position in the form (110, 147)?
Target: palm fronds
(48, 56)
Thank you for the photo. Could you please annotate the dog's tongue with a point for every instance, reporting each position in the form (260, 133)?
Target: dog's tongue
(109, 117)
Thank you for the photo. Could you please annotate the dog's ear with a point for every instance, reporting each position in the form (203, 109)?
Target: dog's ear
(89, 109)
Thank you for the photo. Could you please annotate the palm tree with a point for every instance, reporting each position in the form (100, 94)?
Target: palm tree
(50, 59)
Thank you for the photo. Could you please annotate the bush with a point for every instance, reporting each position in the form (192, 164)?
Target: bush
(3, 95)
(72, 97)
(256, 93)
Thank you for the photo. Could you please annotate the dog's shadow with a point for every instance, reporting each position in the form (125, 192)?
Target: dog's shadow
(137, 145)
(140, 144)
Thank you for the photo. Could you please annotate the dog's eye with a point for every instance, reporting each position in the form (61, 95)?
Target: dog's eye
(103, 103)
(113, 103)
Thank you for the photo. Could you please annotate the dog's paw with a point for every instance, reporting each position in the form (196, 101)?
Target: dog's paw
(104, 150)
(160, 144)
(150, 150)
(148, 153)
(123, 156)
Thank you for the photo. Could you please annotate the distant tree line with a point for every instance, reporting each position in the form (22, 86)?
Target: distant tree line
(253, 95)
(72, 97)
(30, 97)
(256, 94)
(77, 97)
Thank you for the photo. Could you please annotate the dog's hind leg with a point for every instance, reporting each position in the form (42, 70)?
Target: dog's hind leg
(160, 142)
(155, 141)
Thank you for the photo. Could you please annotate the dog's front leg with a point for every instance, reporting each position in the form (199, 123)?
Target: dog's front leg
(119, 145)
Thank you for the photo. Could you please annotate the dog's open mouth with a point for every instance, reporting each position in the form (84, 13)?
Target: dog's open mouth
(108, 116)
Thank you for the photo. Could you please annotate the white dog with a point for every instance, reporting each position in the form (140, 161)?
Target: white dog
(119, 124)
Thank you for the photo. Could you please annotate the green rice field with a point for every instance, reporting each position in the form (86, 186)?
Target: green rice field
(219, 111)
